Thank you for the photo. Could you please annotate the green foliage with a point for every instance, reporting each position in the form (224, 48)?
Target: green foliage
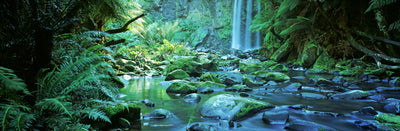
(10, 83)
(15, 116)
(375, 4)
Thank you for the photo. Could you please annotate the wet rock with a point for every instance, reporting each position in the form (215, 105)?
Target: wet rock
(366, 125)
(319, 81)
(208, 62)
(298, 107)
(210, 77)
(147, 102)
(293, 87)
(323, 64)
(275, 117)
(181, 87)
(354, 87)
(371, 79)
(177, 74)
(250, 65)
(339, 80)
(389, 121)
(393, 107)
(377, 97)
(232, 79)
(369, 111)
(159, 114)
(270, 83)
(205, 90)
(388, 89)
(239, 88)
(272, 76)
(327, 114)
(278, 67)
(310, 54)
(312, 95)
(229, 107)
(269, 63)
(203, 126)
(244, 95)
(395, 82)
(390, 100)
(353, 94)
(302, 125)
(192, 98)
(282, 52)
(250, 81)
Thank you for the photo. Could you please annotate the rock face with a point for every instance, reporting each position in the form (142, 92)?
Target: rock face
(353, 94)
(177, 74)
(181, 87)
(229, 107)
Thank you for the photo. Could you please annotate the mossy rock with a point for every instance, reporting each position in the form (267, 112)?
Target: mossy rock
(251, 68)
(353, 94)
(177, 74)
(250, 81)
(127, 111)
(182, 87)
(274, 76)
(269, 63)
(187, 64)
(310, 54)
(324, 64)
(389, 120)
(210, 77)
(282, 52)
(231, 107)
(207, 84)
(279, 67)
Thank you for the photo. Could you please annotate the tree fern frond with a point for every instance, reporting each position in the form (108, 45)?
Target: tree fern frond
(125, 120)
(374, 4)
(287, 5)
(95, 114)
(11, 82)
(24, 121)
(394, 26)
(55, 104)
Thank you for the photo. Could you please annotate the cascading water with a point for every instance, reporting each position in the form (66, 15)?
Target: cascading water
(242, 37)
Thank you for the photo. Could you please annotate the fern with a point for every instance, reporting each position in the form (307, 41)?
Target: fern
(15, 116)
(95, 114)
(9, 82)
(56, 104)
(394, 26)
(374, 4)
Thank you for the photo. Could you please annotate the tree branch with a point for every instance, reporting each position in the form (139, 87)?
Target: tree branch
(125, 27)
(378, 38)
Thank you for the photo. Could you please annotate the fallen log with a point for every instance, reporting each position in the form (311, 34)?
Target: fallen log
(125, 27)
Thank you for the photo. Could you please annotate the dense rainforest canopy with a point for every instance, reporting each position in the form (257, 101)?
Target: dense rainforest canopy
(61, 59)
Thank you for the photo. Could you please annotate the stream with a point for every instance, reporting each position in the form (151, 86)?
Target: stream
(338, 114)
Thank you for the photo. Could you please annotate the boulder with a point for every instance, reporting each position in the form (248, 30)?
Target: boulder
(292, 87)
(251, 82)
(312, 95)
(278, 67)
(181, 87)
(391, 121)
(177, 74)
(269, 63)
(273, 76)
(204, 126)
(395, 82)
(302, 125)
(353, 94)
(159, 114)
(186, 63)
(393, 107)
(210, 77)
(367, 111)
(323, 64)
(282, 52)
(339, 80)
(192, 98)
(275, 117)
(208, 63)
(388, 89)
(229, 107)
(250, 65)
(239, 88)
(310, 54)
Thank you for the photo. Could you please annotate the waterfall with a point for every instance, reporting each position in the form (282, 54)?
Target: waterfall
(242, 37)
(237, 7)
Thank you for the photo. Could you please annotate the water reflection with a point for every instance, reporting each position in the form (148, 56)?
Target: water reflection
(145, 88)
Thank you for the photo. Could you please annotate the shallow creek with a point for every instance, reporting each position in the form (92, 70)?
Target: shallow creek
(320, 111)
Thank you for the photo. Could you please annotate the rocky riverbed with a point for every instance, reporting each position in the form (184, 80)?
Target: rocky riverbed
(210, 91)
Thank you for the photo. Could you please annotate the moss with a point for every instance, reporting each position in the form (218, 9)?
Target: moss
(389, 120)
(275, 76)
(324, 64)
(250, 108)
(177, 74)
(279, 67)
(210, 77)
(181, 87)
(207, 84)
(269, 63)
(251, 68)
(113, 110)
